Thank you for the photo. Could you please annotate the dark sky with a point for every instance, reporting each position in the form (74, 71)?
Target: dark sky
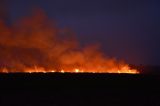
(126, 29)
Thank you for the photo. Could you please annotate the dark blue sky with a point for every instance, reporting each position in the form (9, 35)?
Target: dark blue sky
(126, 29)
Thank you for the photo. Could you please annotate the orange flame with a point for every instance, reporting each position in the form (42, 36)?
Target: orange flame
(125, 69)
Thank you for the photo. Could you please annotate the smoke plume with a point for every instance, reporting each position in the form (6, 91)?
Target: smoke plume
(36, 41)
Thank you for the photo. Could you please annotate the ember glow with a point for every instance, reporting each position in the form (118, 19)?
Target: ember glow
(35, 44)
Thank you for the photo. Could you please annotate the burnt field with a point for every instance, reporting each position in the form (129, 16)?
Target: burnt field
(66, 89)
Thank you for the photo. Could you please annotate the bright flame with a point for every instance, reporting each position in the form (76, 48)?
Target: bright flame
(77, 70)
(36, 69)
(62, 71)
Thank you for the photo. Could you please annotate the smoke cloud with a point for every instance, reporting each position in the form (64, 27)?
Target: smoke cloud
(37, 41)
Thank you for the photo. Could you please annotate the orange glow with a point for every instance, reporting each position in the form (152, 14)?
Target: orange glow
(124, 69)
(35, 44)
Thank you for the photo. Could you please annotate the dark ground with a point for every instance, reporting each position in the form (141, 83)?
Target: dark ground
(58, 89)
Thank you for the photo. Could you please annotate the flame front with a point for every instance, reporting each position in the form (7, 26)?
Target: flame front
(35, 44)
(125, 69)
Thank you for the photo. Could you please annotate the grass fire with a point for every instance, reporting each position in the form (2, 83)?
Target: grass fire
(36, 44)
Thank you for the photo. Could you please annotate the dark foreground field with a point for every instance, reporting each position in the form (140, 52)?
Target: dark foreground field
(57, 89)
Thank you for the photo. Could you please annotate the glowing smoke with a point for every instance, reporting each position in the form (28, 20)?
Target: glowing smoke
(37, 41)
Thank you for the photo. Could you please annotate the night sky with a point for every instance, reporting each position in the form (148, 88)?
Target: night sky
(126, 29)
